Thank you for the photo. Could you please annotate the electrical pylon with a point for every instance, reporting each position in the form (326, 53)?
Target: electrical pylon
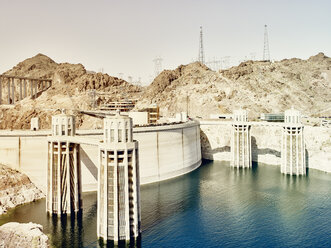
(201, 57)
(266, 53)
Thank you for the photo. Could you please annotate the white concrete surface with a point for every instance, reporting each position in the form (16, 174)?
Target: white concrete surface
(139, 118)
(266, 143)
(164, 152)
(34, 124)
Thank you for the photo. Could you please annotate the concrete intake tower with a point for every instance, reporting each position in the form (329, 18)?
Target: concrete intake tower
(64, 188)
(118, 213)
(293, 146)
(241, 140)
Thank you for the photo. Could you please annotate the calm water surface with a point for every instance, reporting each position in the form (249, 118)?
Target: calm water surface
(214, 206)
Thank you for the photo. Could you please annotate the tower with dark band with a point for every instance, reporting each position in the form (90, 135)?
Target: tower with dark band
(63, 170)
(118, 182)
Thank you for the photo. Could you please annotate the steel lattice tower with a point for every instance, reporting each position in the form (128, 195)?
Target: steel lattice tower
(201, 57)
(266, 53)
(158, 65)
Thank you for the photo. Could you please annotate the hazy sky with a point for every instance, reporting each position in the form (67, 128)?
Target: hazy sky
(125, 36)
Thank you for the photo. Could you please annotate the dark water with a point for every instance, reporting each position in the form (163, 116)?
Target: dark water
(214, 206)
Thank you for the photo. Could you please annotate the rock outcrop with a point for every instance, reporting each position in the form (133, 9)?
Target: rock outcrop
(260, 87)
(15, 189)
(70, 90)
(25, 235)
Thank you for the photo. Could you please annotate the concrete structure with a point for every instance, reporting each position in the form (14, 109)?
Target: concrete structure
(180, 117)
(118, 182)
(123, 106)
(139, 118)
(10, 94)
(266, 141)
(241, 140)
(153, 113)
(293, 147)
(165, 151)
(272, 117)
(63, 195)
(34, 124)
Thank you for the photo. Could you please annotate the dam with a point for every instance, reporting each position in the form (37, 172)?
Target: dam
(266, 143)
(165, 151)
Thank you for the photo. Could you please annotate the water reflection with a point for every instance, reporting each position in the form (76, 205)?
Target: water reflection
(121, 244)
(67, 230)
(162, 200)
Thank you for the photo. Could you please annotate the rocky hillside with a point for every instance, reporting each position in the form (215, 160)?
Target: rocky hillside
(15, 189)
(254, 85)
(70, 90)
(260, 87)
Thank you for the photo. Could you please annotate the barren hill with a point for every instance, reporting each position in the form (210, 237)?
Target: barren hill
(260, 87)
(71, 85)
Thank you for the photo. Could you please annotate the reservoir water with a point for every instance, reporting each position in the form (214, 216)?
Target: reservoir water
(214, 206)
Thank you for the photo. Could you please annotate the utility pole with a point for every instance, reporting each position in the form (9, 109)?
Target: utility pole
(187, 104)
(266, 53)
(201, 57)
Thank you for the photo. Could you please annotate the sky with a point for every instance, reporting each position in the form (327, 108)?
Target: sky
(122, 38)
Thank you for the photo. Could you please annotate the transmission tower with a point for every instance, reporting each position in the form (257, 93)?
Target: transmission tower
(158, 65)
(130, 79)
(201, 57)
(266, 53)
(214, 64)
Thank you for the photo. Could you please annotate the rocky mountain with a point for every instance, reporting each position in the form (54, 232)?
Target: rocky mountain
(259, 87)
(70, 90)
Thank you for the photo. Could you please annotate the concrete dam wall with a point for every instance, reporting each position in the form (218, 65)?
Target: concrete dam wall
(266, 143)
(164, 152)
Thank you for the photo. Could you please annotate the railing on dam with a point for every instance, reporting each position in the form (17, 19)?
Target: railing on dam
(14, 88)
(252, 123)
